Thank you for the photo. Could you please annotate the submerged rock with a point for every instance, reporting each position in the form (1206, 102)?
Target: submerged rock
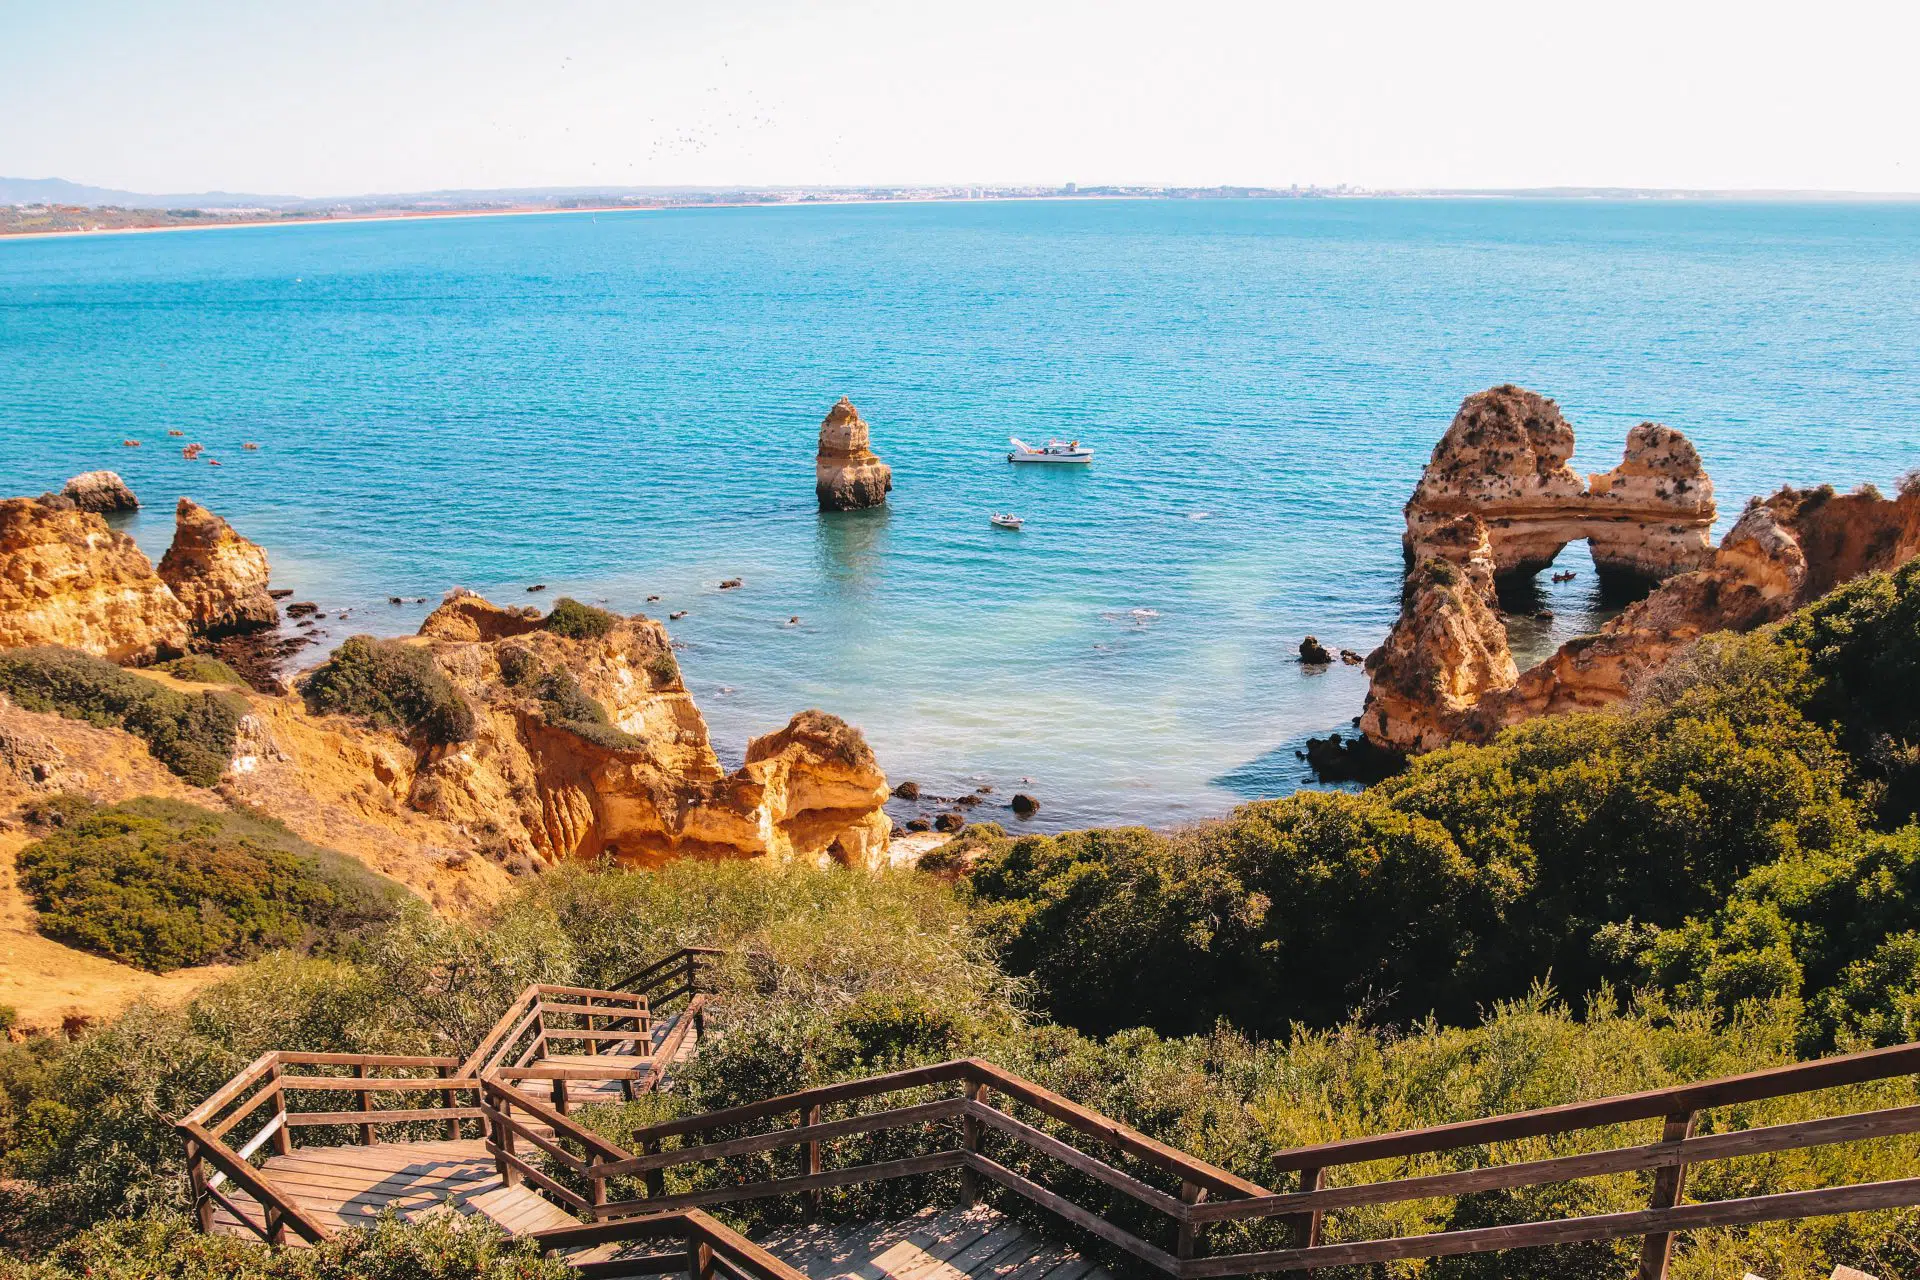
(218, 575)
(847, 474)
(1024, 805)
(102, 492)
(1313, 653)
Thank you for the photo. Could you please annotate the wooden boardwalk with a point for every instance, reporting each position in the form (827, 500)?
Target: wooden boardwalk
(936, 1244)
(343, 1187)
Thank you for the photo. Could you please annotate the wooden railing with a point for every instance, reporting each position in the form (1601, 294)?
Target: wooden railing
(984, 1138)
(708, 1247)
(257, 1102)
(1138, 1195)
(678, 976)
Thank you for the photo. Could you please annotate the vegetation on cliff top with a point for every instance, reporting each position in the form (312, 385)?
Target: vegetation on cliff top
(562, 701)
(578, 621)
(1733, 836)
(160, 884)
(192, 734)
(392, 685)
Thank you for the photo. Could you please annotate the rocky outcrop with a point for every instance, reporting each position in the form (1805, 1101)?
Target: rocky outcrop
(464, 616)
(1429, 688)
(101, 492)
(218, 575)
(67, 579)
(543, 780)
(822, 791)
(1504, 459)
(847, 474)
(1447, 651)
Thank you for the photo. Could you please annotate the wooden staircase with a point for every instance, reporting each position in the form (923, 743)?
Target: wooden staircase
(494, 1135)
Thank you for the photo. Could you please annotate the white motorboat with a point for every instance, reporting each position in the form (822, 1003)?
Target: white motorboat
(1003, 520)
(1051, 451)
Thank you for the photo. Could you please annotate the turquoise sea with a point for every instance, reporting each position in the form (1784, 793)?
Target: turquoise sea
(625, 405)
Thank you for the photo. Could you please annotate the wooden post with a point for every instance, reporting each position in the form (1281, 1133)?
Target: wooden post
(656, 1179)
(970, 1141)
(283, 1136)
(276, 1224)
(1307, 1225)
(446, 1100)
(1669, 1181)
(503, 1127)
(560, 1096)
(1190, 1193)
(699, 1260)
(364, 1100)
(596, 1181)
(811, 1115)
(593, 1046)
(197, 1188)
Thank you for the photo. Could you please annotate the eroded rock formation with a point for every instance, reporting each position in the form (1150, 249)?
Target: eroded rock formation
(1447, 651)
(847, 474)
(67, 579)
(218, 575)
(1430, 683)
(1504, 459)
(538, 781)
(101, 492)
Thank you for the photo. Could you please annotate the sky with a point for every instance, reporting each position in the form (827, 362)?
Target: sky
(347, 97)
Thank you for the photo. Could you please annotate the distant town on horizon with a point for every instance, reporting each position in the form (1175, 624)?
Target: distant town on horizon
(31, 206)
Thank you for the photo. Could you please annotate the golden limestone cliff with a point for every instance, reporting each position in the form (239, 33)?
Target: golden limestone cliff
(1444, 673)
(1504, 459)
(847, 474)
(218, 575)
(1448, 650)
(537, 783)
(67, 579)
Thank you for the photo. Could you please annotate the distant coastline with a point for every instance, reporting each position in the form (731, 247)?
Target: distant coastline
(88, 211)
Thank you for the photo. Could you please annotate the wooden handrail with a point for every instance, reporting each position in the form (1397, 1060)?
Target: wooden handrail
(1774, 1082)
(982, 1108)
(697, 1228)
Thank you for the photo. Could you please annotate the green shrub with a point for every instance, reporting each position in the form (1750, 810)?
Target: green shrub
(192, 734)
(201, 669)
(579, 621)
(562, 701)
(1464, 879)
(157, 1247)
(160, 885)
(392, 685)
(663, 669)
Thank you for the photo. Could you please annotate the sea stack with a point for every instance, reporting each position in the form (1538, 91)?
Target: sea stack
(218, 575)
(847, 474)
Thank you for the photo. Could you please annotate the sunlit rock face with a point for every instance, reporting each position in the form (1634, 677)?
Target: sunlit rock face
(645, 786)
(1499, 499)
(1504, 459)
(218, 575)
(847, 474)
(67, 579)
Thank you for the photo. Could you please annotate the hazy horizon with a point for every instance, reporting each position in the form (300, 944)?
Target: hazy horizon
(1492, 96)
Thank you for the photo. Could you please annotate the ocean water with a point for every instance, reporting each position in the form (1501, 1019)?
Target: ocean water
(622, 406)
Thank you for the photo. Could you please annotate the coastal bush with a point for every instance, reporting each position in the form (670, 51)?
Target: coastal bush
(192, 734)
(578, 621)
(562, 701)
(165, 1247)
(663, 669)
(392, 685)
(1559, 848)
(160, 884)
(202, 669)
